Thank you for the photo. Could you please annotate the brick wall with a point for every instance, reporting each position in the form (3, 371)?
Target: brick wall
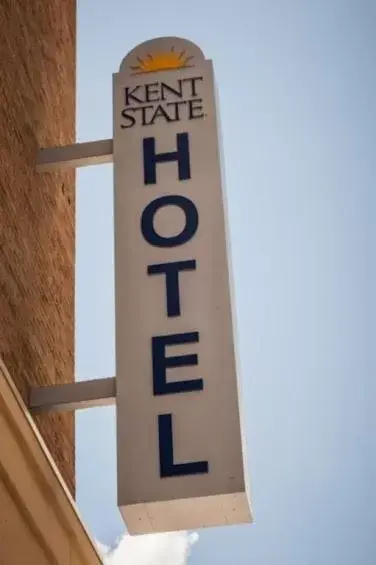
(37, 108)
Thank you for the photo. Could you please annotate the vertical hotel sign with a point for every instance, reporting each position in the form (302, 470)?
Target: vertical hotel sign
(180, 448)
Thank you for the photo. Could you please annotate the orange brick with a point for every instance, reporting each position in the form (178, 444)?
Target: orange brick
(37, 210)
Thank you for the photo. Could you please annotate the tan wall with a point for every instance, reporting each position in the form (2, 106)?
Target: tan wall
(37, 108)
(39, 523)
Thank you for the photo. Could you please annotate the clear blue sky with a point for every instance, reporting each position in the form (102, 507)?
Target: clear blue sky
(297, 83)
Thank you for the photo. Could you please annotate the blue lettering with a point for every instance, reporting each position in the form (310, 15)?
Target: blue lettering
(167, 467)
(171, 270)
(189, 230)
(151, 158)
(161, 363)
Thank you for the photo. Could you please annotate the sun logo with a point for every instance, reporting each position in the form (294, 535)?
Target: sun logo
(167, 61)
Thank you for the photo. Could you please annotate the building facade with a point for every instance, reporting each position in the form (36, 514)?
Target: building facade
(38, 520)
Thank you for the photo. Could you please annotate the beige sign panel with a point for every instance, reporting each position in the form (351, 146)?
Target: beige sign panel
(180, 449)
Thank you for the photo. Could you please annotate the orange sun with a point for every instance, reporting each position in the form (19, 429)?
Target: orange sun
(167, 61)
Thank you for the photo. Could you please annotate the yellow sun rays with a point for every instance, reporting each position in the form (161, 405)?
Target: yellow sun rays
(167, 61)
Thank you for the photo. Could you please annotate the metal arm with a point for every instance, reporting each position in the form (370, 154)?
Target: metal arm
(73, 396)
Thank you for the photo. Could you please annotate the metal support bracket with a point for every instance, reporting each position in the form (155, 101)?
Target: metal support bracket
(73, 396)
(83, 394)
(76, 155)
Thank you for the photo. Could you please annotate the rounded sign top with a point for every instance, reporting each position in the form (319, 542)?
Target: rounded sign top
(161, 54)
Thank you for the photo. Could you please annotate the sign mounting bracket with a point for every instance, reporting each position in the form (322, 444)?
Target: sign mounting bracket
(77, 155)
(73, 396)
(95, 392)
